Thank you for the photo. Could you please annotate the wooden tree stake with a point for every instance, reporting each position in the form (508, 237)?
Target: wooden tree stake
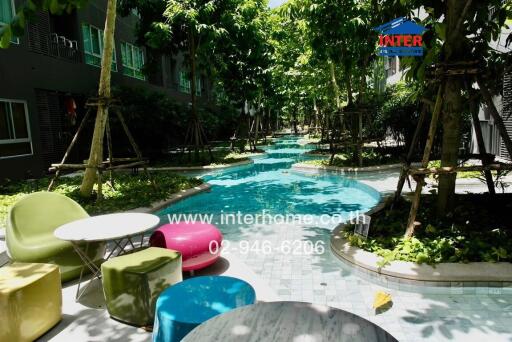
(408, 159)
(426, 155)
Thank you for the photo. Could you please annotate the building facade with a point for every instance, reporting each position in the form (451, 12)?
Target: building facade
(503, 103)
(47, 75)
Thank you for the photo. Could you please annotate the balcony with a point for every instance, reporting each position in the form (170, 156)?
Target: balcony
(62, 47)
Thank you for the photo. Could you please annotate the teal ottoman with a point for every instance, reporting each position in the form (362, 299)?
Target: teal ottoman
(133, 282)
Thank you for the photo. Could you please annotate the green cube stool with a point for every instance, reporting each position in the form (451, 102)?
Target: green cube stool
(133, 282)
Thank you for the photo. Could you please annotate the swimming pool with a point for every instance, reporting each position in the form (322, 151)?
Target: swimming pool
(269, 187)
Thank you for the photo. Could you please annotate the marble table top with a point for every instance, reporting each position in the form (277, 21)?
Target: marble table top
(287, 321)
(106, 227)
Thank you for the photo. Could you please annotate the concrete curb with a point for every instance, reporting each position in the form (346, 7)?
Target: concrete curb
(155, 206)
(200, 168)
(419, 274)
(339, 169)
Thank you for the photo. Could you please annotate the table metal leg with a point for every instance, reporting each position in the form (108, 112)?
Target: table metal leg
(95, 270)
(117, 245)
(142, 240)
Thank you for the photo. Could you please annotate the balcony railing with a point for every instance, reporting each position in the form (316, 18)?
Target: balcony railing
(62, 47)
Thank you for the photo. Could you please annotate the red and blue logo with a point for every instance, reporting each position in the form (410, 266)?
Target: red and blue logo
(400, 37)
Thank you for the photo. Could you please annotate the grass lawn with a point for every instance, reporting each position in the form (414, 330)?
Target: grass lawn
(478, 229)
(131, 191)
(219, 158)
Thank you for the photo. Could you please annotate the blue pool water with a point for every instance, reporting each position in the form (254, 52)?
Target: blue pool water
(271, 187)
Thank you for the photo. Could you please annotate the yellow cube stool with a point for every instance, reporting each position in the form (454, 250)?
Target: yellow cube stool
(30, 300)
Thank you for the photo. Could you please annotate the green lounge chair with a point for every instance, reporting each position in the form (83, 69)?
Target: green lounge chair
(29, 233)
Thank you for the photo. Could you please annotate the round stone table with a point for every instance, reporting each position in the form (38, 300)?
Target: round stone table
(288, 321)
(182, 307)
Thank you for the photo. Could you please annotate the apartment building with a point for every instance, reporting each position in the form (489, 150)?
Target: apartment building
(47, 75)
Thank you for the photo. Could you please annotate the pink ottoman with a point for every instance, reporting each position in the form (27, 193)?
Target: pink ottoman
(199, 243)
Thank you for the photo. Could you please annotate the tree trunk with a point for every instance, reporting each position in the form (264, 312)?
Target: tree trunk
(450, 145)
(359, 133)
(295, 121)
(453, 106)
(96, 153)
(193, 110)
(256, 130)
(335, 88)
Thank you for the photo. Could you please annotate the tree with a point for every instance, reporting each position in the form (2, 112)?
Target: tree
(195, 25)
(298, 76)
(457, 32)
(96, 153)
(242, 61)
(224, 38)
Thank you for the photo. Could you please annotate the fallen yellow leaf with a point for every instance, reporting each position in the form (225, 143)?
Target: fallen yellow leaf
(381, 299)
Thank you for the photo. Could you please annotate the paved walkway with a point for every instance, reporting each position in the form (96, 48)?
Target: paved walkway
(434, 314)
(430, 314)
(88, 320)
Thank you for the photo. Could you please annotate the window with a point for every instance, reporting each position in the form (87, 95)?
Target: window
(14, 131)
(133, 60)
(185, 86)
(6, 14)
(93, 46)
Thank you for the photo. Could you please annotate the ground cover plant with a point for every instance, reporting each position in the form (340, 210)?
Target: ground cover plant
(478, 229)
(222, 157)
(371, 157)
(129, 192)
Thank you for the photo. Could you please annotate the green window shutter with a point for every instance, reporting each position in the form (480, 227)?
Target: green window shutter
(114, 58)
(5, 11)
(198, 85)
(135, 54)
(184, 82)
(130, 56)
(86, 33)
(133, 60)
(141, 65)
(5, 132)
(123, 54)
(95, 41)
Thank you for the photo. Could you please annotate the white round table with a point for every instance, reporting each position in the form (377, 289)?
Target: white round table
(288, 321)
(118, 229)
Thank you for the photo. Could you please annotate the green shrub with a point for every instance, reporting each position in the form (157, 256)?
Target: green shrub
(477, 230)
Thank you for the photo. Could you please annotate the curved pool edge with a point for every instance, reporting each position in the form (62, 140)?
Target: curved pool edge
(203, 168)
(347, 169)
(405, 273)
(176, 197)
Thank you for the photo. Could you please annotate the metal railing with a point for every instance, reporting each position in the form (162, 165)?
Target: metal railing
(62, 47)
